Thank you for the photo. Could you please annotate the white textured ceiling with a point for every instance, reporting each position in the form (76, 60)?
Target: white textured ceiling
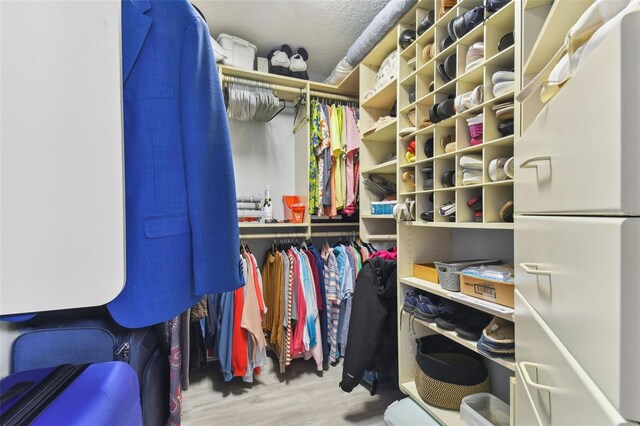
(326, 28)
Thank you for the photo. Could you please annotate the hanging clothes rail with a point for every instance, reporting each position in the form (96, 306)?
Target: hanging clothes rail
(253, 83)
(297, 235)
(323, 95)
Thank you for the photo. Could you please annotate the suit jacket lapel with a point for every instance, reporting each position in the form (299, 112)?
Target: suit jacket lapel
(135, 27)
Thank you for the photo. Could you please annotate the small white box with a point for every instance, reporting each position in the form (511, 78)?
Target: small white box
(484, 409)
(240, 53)
(263, 64)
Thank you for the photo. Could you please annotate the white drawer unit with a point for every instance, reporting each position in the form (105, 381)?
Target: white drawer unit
(581, 154)
(557, 388)
(580, 274)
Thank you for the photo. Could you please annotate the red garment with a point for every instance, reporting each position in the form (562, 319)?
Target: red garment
(316, 278)
(391, 254)
(297, 345)
(239, 344)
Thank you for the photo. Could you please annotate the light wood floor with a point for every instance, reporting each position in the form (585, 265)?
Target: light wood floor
(301, 396)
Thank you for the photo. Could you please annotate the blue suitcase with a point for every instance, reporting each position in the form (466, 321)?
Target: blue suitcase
(59, 338)
(91, 394)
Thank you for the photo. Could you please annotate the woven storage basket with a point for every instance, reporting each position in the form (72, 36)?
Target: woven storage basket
(446, 372)
(448, 395)
(447, 271)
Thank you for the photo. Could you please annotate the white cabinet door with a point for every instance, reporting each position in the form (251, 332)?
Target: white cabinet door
(580, 274)
(559, 391)
(581, 154)
(62, 213)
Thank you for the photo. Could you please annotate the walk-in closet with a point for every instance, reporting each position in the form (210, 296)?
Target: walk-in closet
(296, 212)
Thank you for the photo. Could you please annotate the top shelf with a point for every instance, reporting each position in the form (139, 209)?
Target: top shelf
(387, 45)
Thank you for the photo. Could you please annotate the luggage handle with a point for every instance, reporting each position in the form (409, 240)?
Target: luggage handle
(529, 269)
(527, 377)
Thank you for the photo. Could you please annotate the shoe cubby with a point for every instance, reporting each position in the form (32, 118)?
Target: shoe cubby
(496, 152)
(440, 168)
(440, 198)
(500, 23)
(495, 197)
(465, 213)
(425, 203)
(421, 140)
(424, 82)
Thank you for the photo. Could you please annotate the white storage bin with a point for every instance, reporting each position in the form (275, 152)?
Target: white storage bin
(240, 53)
(406, 412)
(484, 409)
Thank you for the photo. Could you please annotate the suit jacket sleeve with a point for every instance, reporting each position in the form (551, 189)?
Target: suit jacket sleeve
(210, 181)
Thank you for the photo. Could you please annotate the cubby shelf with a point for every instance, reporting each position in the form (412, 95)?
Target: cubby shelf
(376, 216)
(481, 305)
(386, 133)
(507, 362)
(383, 98)
(388, 167)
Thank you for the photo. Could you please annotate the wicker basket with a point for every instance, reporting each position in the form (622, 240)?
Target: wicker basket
(447, 271)
(446, 372)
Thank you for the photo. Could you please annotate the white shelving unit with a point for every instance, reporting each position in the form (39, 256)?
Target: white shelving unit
(378, 147)
(420, 241)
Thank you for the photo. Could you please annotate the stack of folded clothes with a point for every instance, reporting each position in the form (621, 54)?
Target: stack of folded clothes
(497, 338)
(466, 322)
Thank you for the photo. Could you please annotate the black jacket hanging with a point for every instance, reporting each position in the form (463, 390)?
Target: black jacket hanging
(373, 333)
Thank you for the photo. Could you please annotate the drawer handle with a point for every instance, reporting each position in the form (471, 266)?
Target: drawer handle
(530, 163)
(527, 378)
(533, 269)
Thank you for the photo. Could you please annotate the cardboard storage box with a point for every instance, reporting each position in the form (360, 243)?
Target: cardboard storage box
(426, 271)
(493, 291)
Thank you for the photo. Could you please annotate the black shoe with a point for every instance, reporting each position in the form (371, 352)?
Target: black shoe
(473, 325)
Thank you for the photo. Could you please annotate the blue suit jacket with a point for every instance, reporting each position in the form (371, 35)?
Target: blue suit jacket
(182, 226)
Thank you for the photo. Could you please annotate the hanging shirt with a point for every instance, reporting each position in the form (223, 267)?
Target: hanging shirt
(343, 157)
(327, 163)
(225, 325)
(332, 286)
(323, 303)
(347, 298)
(239, 347)
(297, 343)
(337, 151)
(252, 319)
(313, 161)
(310, 301)
(288, 349)
(353, 140)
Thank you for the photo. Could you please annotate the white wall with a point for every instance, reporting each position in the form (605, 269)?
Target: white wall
(263, 154)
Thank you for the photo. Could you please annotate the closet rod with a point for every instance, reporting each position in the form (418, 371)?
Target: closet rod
(253, 83)
(332, 96)
(297, 235)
